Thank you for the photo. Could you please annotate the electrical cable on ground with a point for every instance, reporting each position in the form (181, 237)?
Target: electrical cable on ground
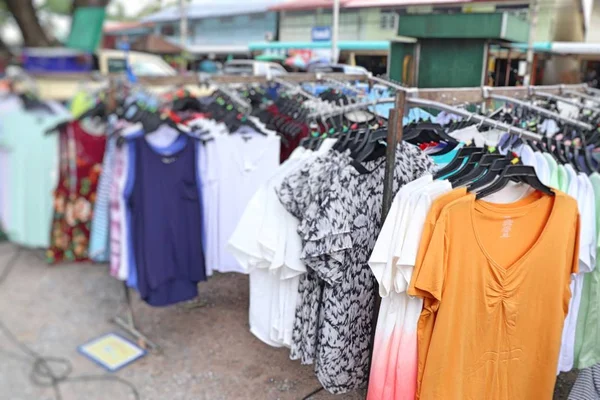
(49, 372)
(311, 394)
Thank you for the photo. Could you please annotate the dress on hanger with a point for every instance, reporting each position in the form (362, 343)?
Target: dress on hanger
(81, 155)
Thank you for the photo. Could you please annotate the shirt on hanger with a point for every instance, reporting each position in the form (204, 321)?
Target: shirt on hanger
(587, 342)
(338, 236)
(582, 190)
(394, 364)
(543, 169)
(312, 182)
(246, 161)
(32, 171)
(553, 166)
(496, 354)
(563, 178)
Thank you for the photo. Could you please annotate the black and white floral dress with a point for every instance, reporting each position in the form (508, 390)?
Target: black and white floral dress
(340, 218)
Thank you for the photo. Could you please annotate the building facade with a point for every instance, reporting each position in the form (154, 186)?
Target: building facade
(219, 30)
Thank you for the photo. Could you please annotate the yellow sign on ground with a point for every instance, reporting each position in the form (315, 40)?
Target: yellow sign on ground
(112, 351)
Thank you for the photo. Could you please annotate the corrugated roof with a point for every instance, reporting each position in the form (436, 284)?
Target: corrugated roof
(211, 8)
(155, 44)
(292, 5)
(401, 3)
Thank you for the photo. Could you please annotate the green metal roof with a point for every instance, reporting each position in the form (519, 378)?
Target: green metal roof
(342, 45)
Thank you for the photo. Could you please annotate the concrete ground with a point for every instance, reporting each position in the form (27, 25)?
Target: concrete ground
(207, 353)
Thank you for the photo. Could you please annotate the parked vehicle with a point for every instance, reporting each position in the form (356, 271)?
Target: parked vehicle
(342, 68)
(142, 64)
(52, 70)
(253, 68)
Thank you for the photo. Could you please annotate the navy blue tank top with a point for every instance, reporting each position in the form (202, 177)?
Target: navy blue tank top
(166, 221)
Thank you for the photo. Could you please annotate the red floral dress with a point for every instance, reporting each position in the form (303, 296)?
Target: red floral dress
(81, 155)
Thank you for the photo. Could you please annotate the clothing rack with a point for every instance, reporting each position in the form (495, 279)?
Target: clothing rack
(441, 99)
(350, 107)
(234, 97)
(540, 110)
(296, 88)
(584, 96)
(344, 86)
(593, 91)
(395, 132)
(387, 82)
(565, 100)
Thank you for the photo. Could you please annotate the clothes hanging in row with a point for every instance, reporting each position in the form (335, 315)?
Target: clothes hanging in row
(305, 239)
(463, 279)
(169, 198)
(479, 273)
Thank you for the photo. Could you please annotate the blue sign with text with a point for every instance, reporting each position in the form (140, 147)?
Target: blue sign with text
(321, 33)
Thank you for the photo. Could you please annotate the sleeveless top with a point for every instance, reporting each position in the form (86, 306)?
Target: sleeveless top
(165, 219)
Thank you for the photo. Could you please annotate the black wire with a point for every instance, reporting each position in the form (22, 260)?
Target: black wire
(311, 394)
(49, 372)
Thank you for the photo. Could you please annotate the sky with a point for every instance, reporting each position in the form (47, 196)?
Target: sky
(133, 7)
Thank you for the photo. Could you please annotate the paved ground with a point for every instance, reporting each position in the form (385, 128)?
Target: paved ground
(208, 353)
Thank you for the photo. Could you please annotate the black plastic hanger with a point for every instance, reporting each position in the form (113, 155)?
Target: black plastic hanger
(524, 173)
(457, 161)
(467, 167)
(374, 147)
(478, 171)
(490, 175)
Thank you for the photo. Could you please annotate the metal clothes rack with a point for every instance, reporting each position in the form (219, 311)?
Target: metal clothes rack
(540, 110)
(566, 100)
(128, 321)
(295, 88)
(344, 86)
(584, 96)
(395, 133)
(234, 97)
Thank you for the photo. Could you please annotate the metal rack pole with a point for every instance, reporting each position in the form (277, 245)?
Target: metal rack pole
(386, 83)
(540, 110)
(474, 117)
(593, 91)
(353, 107)
(583, 96)
(565, 100)
(344, 86)
(394, 136)
(234, 97)
(128, 324)
(295, 87)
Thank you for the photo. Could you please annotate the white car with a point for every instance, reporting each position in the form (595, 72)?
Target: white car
(253, 68)
(142, 64)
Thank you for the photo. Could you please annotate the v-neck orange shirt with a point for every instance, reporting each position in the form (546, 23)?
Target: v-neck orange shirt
(498, 277)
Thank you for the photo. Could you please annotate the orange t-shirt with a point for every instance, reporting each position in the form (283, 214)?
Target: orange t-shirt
(427, 317)
(496, 279)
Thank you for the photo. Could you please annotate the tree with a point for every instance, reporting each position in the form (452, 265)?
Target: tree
(24, 13)
(89, 3)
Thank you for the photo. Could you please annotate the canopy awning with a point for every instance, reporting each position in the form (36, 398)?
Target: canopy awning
(217, 49)
(564, 48)
(342, 45)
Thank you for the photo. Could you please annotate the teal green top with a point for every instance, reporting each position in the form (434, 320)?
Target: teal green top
(445, 159)
(563, 179)
(587, 334)
(553, 165)
(33, 173)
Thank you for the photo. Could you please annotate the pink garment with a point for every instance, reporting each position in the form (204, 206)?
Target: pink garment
(394, 363)
(117, 215)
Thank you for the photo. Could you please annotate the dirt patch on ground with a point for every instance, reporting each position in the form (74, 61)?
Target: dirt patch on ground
(207, 352)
